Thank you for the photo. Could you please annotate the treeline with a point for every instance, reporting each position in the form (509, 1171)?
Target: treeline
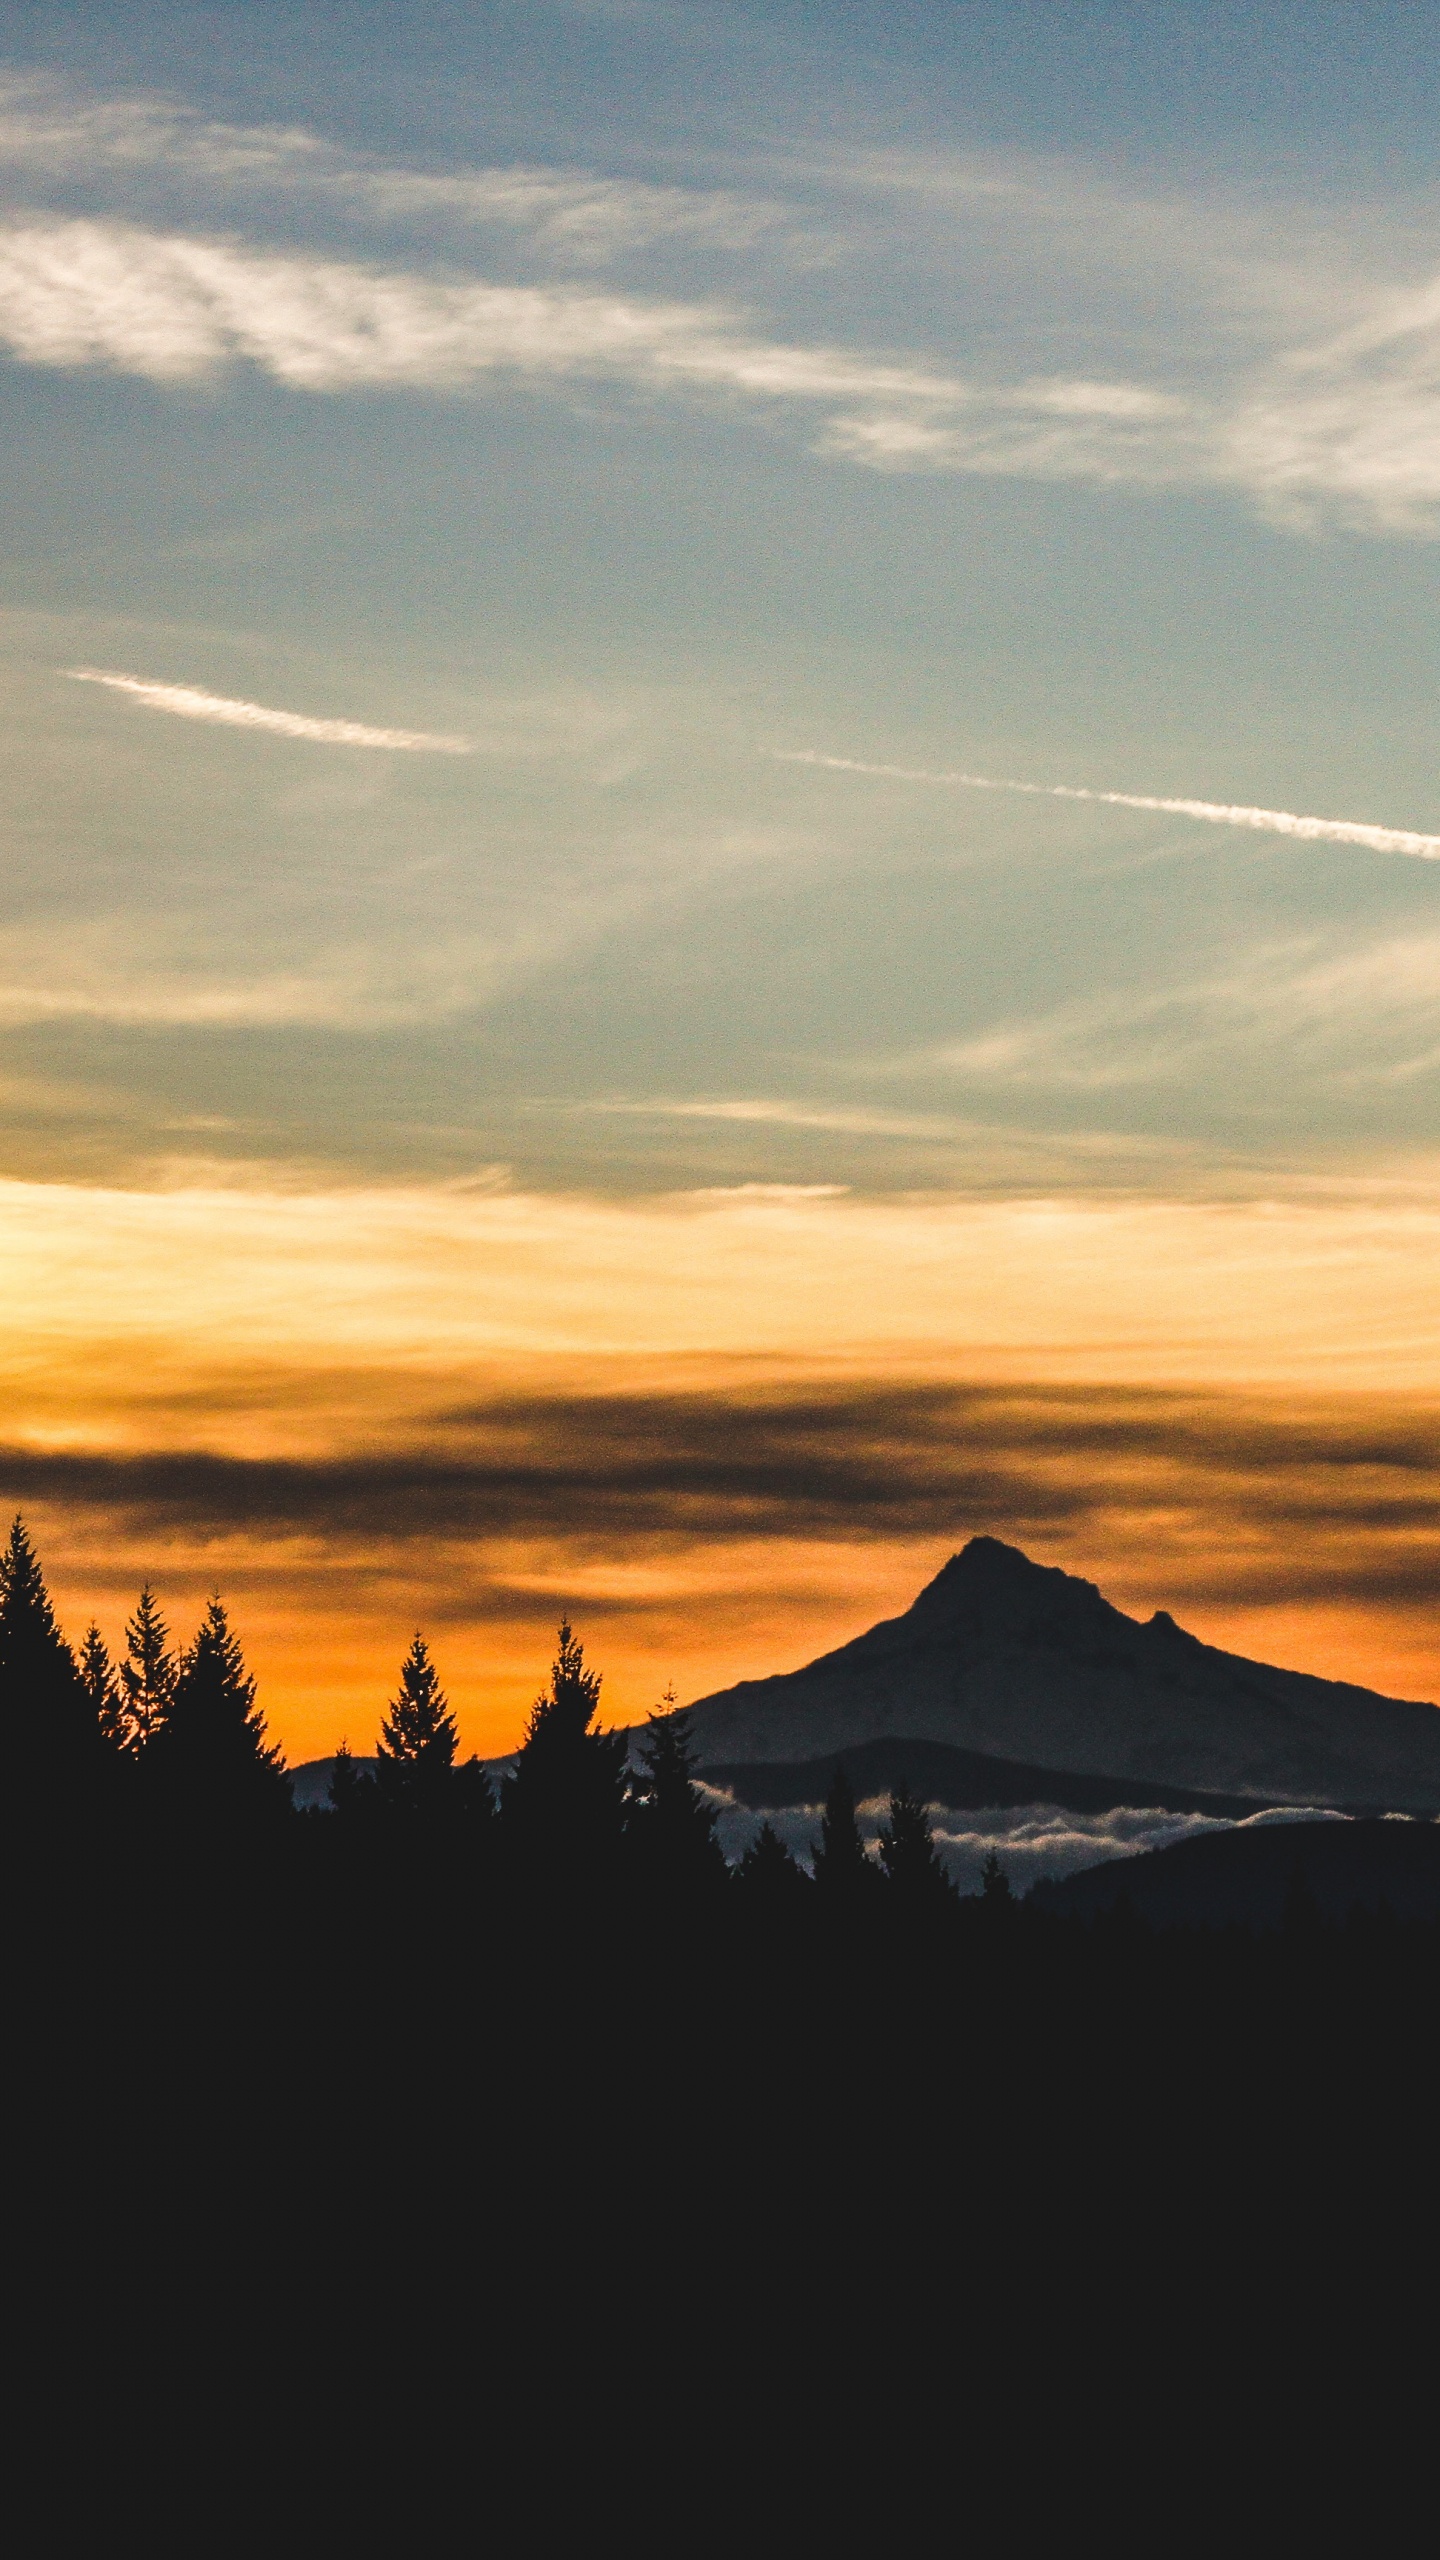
(168, 1743)
(175, 1736)
(180, 1727)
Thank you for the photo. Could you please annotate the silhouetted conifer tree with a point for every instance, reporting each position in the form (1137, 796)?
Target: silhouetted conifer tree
(910, 1859)
(102, 1688)
(416, 1749)
(566, 1803)
(474, 1796)
(48, 1728)
(210, 1756)
(349, 1786)
(672, 1826)
(768, 1878)
(149, 1671)
(995, 1884)
(844, 1874)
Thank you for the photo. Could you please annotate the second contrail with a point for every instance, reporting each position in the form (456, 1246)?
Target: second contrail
(190, 702)
(1215, 813)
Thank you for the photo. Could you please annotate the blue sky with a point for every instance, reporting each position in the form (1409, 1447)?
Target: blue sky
(1045, 394)
(643, 397)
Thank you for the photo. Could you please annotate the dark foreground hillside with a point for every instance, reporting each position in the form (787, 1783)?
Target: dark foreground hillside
(393, 2130)
(1291, 1875)
(383, 2132)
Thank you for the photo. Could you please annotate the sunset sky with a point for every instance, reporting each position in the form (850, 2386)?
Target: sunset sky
(533, 1076)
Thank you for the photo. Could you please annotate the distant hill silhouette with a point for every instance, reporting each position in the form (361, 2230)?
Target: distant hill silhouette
(1023, 1663)
(1261, 1876)
(310, 1782)
(960, 1780)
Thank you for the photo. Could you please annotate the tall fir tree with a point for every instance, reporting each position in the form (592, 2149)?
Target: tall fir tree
(768, 1879)
(919, 1885)
(565, 1807)
(847, 1879)
(995, 1890)
(149, 1671)
(350, 1786)
(418, 1738)
(101, 1684)
(210, 1757)
(671, 1824)
(474, 1799)
(48, 1729)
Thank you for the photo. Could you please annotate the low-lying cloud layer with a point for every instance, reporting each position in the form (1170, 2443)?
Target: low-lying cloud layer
(1030, 1841)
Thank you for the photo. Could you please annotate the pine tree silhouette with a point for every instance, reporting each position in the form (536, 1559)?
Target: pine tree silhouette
(844, 1874)
(672, 1826)
(349, 1786)
(566, 1804)
(474, 1798)
(46, 1721)
(210, 1756)
(995, 1884)
(418, 1736)
(908, 1855)
(149, 1671)
(102, 1688)
(767, 1876)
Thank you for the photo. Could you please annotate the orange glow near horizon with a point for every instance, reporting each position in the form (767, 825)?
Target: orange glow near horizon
(327, 1666)
(713, 1427)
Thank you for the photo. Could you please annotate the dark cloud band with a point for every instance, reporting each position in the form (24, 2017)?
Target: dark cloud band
(1248, 1499)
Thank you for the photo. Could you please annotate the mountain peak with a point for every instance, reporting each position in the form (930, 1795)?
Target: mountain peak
(990, 1560)
(990, 1579)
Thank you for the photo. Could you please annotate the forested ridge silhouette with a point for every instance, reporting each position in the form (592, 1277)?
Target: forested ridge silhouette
(569, 1958)
(504, 2083)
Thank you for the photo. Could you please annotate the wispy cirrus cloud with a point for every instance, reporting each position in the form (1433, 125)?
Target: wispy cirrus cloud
(1351, 422)
(1306, 378)
(179, 309)
(1354, 426)
(191, 702)
(1344, 1018)
(52, 130)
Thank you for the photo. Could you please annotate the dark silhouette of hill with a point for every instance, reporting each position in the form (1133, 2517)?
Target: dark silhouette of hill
(1024, 1663)
(1276, 1873)
(965, 1781)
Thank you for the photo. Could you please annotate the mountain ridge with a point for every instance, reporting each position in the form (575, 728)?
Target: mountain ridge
(1027, 1663)
(963, 1781)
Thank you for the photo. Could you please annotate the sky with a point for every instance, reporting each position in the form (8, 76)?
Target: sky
(537, 1073)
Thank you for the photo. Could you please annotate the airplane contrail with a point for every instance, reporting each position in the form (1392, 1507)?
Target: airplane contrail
(1216, 813)
(190, 703)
